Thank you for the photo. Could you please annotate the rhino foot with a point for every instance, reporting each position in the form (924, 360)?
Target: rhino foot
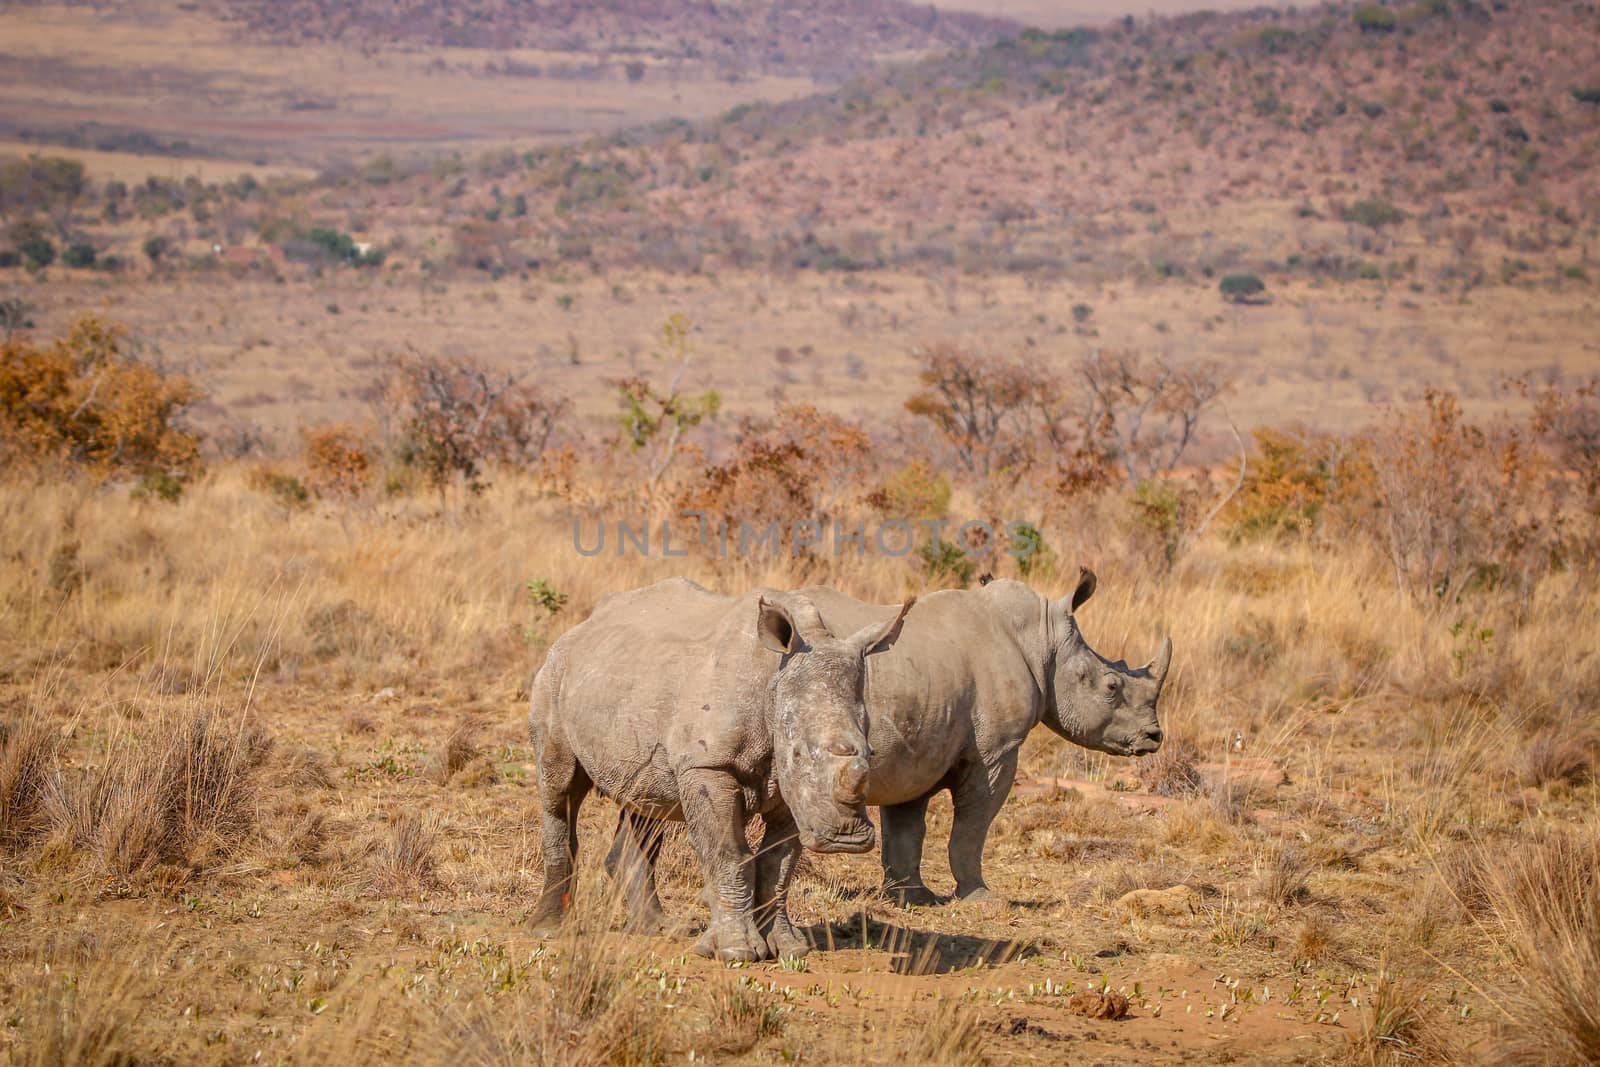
(734, 938)
(547, 913)
(786, 944)
(980, 895)
(911, 896)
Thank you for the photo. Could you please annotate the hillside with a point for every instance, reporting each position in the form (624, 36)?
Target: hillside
(1436, 143)
(823, 40)
(1137, 149)
(319, 83)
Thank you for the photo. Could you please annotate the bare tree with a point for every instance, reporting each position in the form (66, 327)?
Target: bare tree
(460, 414)
(1140, 412)
(981, 405)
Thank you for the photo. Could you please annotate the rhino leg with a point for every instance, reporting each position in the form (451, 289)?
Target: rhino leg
(713, 806)
(775, 864)
(904, 827)
(978, 795)
(632, 864)
(562, 786)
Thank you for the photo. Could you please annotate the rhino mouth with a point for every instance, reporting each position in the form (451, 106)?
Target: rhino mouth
(1144, 746)
(853, 835)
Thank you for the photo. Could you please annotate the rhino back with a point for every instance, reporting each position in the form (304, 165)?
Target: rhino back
(657, 680)
(955, 687)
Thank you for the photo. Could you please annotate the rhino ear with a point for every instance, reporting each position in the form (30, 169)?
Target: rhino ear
(879, 637)
(774, 627)
(1086, 583)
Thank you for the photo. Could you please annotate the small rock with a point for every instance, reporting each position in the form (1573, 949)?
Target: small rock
(385, 694)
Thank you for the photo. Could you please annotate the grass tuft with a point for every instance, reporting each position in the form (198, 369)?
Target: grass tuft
(1545, 900)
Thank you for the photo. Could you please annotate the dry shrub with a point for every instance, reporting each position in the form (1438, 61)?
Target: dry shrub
(403, 862)
(741, 1016)
(184, 792)
(30, 769)
(340, 461)
(1171, 771)
(82, 401)
(302, 768)
(1557, 754)
(295, 834)
(1394, 1024)
(1312, 941)
(1281, 871)
(462, 758)
(795, 467)
(1545, 901)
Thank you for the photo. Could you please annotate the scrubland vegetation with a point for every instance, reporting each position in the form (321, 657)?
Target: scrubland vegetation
(265, 785)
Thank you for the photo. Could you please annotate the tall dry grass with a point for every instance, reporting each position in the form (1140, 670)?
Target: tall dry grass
(1544, 902)
(1412, 724)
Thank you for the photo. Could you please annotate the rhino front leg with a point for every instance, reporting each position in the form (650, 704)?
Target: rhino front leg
(713, 806)
(904, 827)
(978, 795)
(775, 864)
(632, 864)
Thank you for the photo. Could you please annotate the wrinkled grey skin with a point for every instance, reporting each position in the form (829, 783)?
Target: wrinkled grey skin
(951, 703)
(689, 706)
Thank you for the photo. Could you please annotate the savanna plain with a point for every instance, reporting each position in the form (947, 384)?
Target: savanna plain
(313, 402)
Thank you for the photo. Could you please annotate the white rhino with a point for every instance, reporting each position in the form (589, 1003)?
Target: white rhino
(949, 706)
(685, 705)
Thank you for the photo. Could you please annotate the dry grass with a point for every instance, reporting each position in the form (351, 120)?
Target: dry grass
(1394, 1027)
(1281, 871)
(404, 862)
(1545, 902)
(297, 871)
(30, 754)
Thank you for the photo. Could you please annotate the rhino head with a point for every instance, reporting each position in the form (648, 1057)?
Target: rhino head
(819, 720)
(1092, 701)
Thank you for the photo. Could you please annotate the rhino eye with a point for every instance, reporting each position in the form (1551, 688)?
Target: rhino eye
(839, 748)
(1113, 683)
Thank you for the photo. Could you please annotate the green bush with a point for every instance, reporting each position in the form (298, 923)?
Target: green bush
(1242, 288)
(38, 251)
(80, 256)
(156, 247)
(1375, 18)
(1590, 95)
(1375, 213)
(159, 485)
(946, 561)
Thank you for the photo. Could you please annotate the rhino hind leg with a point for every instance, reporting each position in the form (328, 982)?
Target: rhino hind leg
(563, 785)
(632, 865)
(904, 828)
(775, 864)
(713, 806)
(978, 796)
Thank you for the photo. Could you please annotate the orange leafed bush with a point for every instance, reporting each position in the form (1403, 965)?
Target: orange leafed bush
(81, 400)
(340, 462)
(799, 466)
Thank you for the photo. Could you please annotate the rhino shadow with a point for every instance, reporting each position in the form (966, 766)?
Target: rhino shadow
(917, 951)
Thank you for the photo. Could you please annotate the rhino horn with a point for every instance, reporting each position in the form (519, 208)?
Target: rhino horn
(1158, 666)
(850, 785)
(879, 636)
